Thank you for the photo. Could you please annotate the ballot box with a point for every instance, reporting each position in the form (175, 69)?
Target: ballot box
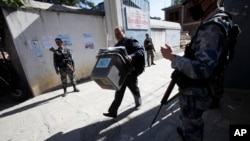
(111, 68)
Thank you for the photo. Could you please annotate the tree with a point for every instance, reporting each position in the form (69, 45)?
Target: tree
(12, 3)
(176, 2)
(78, 3)
(8, 3)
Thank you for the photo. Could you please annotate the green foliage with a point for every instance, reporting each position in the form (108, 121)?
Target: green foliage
(76, 3)
(177, 2)
(91, 4)
(14, 3)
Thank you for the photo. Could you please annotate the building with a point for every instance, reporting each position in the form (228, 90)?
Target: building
(178, 13)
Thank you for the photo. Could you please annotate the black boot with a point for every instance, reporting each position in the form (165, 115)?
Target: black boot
(75, 89)
(64, 92)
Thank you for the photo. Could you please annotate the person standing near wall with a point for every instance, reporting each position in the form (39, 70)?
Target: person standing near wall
(198, 72)
(64, 65)
(149, 47)
(136, 57)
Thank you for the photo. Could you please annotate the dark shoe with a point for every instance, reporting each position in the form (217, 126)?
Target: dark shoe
(153, 64)
(138, 107)
(110, 115)
(180, 132)
(76, 90)
(64, 92)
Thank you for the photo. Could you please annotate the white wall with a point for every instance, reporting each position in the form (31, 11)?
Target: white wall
(27, 25)
(165, 32)
(159, 38)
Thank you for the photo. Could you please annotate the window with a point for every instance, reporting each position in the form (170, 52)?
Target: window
(174, 16)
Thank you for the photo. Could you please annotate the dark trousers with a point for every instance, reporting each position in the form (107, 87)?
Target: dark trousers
(192, 108)
(132, 83)
(150, 55)
(64, 72)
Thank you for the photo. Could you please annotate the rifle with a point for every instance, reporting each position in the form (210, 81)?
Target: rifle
(164, 99)
(68, 65)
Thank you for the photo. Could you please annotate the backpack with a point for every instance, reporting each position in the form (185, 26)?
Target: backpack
(231, 31)
(139, 62)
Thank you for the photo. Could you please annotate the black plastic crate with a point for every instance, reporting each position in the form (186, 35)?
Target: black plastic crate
(111, 68)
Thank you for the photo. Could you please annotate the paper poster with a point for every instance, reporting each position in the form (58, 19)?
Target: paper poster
(36, 47)
(89, 41)
(47, 41)
(67, 41)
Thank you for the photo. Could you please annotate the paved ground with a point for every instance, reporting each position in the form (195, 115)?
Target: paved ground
(78, 116)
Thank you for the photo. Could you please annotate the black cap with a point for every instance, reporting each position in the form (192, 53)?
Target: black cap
(185, 2)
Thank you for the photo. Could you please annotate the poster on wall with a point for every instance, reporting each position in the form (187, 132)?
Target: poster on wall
(136, 18)
(47, 42)
(88, 41)
(34, 44)
(67, 41)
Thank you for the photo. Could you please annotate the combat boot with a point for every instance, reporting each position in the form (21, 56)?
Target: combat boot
(75, 89)
(64, 92)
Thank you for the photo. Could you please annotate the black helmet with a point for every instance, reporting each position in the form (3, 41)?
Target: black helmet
(58, 40)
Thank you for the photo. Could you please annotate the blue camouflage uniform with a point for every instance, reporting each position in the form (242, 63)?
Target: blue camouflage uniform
(62, 57)
(206, 45)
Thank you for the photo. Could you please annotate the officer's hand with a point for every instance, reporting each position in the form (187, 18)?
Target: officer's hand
(167, 52)
(129, 58)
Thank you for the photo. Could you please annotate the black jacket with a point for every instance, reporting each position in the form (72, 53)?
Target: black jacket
(135, 51)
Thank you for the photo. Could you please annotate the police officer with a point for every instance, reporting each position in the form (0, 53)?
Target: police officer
(136, 57)
(149, 47)
(64, 65)
(194, 70)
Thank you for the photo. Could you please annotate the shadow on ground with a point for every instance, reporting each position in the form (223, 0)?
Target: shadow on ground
(135, 128)
(8, 104)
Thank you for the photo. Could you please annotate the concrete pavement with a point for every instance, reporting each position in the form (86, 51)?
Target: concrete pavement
(78, 116)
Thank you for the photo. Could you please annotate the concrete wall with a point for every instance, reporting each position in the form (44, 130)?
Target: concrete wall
(33, 32)
(165, 32)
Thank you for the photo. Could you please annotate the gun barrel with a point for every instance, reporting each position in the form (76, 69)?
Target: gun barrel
(168, 92)
(164, 99)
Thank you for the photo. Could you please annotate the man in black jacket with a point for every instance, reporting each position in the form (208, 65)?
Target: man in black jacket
(136, 57)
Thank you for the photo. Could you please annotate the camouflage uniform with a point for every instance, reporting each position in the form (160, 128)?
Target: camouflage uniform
(195, 98)
(150, 50)
(62, 57)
